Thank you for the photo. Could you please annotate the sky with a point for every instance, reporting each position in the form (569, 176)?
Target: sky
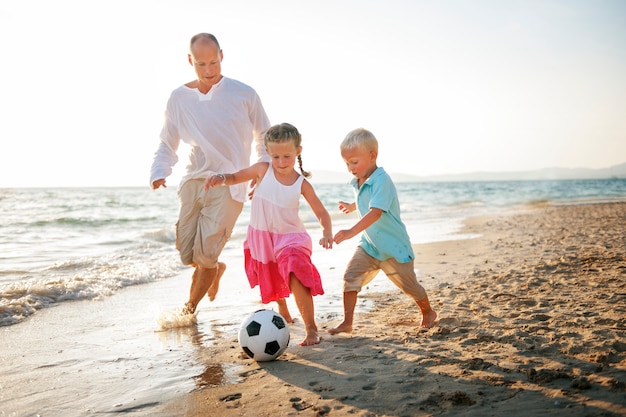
(447, 86)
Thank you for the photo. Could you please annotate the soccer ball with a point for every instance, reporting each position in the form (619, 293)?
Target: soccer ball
(264, 335)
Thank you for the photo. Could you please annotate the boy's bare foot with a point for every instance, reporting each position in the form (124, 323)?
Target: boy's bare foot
(342, 328)
(311, 339)
(428, 319)
(215, 286)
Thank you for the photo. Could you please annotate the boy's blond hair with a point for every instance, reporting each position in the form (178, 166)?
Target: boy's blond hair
(360, 137)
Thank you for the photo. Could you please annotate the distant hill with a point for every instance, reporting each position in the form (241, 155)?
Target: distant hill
(616, 171)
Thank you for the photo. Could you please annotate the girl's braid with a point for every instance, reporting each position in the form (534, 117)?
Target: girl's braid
(305, 173)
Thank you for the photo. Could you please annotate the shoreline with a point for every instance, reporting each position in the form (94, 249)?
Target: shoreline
(532, 321)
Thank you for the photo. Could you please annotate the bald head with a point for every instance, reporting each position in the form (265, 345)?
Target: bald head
(205, 56)
(203, 38)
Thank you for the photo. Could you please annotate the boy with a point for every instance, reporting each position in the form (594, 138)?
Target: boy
(385, 243)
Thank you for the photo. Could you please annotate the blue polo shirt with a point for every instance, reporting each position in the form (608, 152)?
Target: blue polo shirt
(387, 237)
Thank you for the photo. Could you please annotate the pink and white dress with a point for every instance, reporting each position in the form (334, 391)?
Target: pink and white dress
(277, 243)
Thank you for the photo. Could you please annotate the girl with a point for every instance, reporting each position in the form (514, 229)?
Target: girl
(277, 248)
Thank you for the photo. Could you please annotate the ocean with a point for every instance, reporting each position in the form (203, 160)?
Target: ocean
(87, 275)
(65, 244)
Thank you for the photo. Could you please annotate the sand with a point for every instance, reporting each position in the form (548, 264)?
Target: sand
(532, 321)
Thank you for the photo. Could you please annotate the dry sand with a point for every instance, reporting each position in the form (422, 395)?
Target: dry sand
(532, 322)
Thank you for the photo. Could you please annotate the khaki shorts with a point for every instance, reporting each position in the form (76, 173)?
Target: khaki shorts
(362, 269)
(205, 222)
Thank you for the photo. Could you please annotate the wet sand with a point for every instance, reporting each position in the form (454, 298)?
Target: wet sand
(532, 321)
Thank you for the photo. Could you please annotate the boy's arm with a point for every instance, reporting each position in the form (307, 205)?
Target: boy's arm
(347, 207)
(253, 172)
(366, 221)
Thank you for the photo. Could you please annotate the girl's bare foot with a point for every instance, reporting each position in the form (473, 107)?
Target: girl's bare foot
(342, 328)
(428, 319)
(286, 316)
(284, 310)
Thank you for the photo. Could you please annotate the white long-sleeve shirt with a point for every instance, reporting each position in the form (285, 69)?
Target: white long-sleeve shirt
(220, 127)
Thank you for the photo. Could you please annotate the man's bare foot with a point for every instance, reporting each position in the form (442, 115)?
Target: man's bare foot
(215, 286)
(187, 309)
(342, 328)
(428, 319)
(311, 339)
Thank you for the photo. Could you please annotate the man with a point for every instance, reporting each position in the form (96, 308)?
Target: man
(220, 118)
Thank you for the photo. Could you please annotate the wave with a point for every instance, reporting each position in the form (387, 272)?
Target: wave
(83, 279)
(163, 235)
(78, 221)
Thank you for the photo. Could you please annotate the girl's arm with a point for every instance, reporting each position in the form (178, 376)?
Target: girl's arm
(320, 212)
(366, 221)
(253, 172)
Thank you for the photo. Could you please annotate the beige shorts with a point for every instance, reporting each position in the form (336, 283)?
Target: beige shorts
(362, 269)
(205, 222)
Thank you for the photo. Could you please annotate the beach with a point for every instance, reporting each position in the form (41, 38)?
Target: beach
(532, 321)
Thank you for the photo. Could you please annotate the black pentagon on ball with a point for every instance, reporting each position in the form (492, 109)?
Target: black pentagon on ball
(248, 352)
(272, 347)
(254, 328)
(278, 322)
